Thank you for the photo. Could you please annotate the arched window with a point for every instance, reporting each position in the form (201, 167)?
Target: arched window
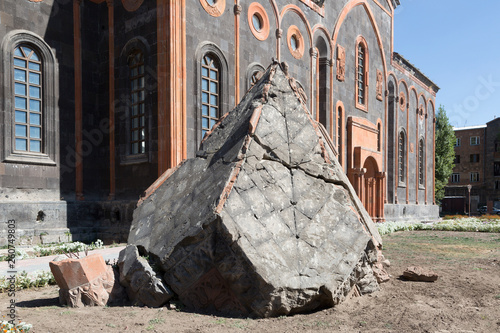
(29, 77)
(361, 74)
(210, 93)
(402, 157)
(137, 107)
(379, 137)
(27, 100)
(339, 133)
(421, 162)
(254, 74)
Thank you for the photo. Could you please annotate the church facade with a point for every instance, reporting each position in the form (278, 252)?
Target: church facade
(101, 97)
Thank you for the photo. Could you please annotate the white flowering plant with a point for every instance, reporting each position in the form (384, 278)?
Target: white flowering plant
(41, 251)
(24, 280)
(453, 224)
(7, 327)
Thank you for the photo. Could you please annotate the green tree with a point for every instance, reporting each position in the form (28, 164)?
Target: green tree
(445, 152)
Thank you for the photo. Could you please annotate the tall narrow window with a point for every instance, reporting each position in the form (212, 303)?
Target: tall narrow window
(210, 97)
(421, 163)
(27, 100)
(339, 134)
(138, 113)
(362, 70)
(379, 137)
(402, 157)
(361, 74)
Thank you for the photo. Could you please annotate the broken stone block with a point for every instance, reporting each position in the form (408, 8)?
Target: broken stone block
(416, 273)
(85, 281)
(263, 221)
(140, 281)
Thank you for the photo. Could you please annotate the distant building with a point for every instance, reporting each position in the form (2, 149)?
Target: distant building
(477, 163)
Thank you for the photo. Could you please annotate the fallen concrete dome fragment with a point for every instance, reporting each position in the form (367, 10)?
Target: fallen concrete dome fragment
(263, 221)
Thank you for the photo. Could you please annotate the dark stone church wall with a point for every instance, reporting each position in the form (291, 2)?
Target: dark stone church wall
(357, 23)
(30, 193)
(414, 207)
(95, 132)
(205, 33)
(135, 31)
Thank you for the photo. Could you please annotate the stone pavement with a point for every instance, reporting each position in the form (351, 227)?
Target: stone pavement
(42, 263)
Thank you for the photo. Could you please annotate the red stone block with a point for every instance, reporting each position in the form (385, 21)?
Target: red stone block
(72, 273)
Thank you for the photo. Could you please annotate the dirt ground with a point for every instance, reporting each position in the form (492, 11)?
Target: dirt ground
(466, 298)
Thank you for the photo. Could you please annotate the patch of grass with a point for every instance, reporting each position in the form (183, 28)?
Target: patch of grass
(50, 307)
(442, 246)
(111, 325)
(155, 321)
(220, 321)
(322, 324)
(239, 324)
(497, 296)
(67, 312)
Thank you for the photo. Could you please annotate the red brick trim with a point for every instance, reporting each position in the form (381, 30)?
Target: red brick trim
(132, 5)
(294, 32)
(364, 107)
(300, 13)
(256, 9)
(315, 7)
(340, 149)
(410, 75)
(215, 10)
(343, 14)
(382, 7)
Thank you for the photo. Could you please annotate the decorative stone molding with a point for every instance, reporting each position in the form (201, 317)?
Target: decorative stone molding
(295, 42)
(279, 33)
(50, 96)
(237, 9)
(402, 101)
(215, 10)
(258, 21)
(313, 52)
(316, 5)
(421, 111)
(340, 63)
(131, 5)
(86, 281)
(379, 85)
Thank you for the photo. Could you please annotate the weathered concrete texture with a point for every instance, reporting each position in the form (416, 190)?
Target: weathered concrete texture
(140, 281)
(263, 221)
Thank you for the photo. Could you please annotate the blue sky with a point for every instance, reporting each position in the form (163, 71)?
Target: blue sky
(456, 43)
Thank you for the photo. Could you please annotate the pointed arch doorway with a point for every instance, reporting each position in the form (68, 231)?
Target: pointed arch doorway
(370, 194)
(365, 160)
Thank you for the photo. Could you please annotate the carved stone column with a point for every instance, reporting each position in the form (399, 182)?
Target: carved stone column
(279, 34)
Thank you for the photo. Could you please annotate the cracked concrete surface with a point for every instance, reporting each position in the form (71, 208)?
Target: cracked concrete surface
(263, 221)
